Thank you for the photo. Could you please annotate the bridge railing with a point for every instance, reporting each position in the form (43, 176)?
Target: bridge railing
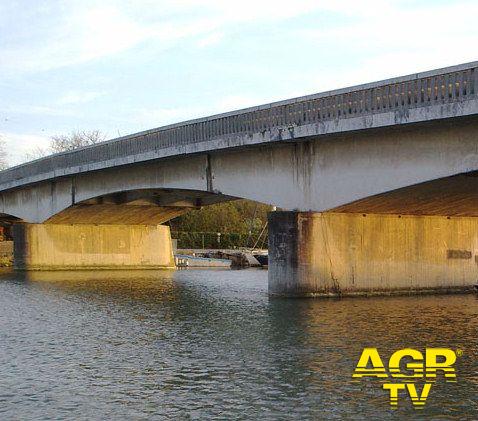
(442, 86)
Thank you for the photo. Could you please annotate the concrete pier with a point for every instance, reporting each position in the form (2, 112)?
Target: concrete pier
(314, 254)
(66, 247)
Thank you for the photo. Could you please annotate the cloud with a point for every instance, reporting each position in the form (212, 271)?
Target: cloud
(148, 118)
(62, 107)
(210, 39)
(81, 34)
(61, 34)
(78, 97)
(19, 145)
(277, 10)
(236, 102)
(403, 40)
(80, 31)
(30, 109)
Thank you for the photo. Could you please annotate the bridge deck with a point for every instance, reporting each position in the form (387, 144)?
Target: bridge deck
(438, 94)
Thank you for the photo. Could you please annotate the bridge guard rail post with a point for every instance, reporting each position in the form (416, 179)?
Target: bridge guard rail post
(333, 254)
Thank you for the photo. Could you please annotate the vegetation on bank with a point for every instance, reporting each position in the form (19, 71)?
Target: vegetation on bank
(6, 262)
(232, 224)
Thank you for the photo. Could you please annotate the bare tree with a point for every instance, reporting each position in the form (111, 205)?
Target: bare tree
(3, 154)
(36, 153)
(65, 143)
(75, 140)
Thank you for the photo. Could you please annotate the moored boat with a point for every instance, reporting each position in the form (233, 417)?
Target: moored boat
(263, 259)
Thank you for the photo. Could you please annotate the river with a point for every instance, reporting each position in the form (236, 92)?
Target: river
(206, 344)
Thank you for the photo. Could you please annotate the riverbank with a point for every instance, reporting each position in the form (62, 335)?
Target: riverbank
(239, 258)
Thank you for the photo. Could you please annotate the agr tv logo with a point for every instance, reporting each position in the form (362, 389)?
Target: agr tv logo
(415, 366)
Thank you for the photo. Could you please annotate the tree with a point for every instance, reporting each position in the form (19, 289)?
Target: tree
(36, 153)
(64, 143)
(75, 140)
(3, 154)
(239, 221)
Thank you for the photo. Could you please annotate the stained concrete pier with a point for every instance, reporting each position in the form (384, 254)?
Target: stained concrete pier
(83, 246)
(314, 254)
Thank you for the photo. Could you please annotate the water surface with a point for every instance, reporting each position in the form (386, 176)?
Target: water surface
(210, 344)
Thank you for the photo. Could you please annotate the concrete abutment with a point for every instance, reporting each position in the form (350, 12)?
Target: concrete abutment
(329, 254)
(84, 246)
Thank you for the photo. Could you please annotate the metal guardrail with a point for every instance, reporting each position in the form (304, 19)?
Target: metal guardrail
(443, 86)
(214, 240)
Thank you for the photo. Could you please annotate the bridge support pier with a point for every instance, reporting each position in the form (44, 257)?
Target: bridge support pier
(71, 247)
(330, 254)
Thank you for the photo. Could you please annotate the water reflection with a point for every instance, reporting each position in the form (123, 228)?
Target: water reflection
(211, 344)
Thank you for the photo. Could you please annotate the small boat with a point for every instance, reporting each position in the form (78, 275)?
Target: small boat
(184, 260)
(263, 259)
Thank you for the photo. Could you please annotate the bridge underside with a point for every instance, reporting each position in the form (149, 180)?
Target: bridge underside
(113, 231)
(450, 196)
(148, 207)
(417, 238)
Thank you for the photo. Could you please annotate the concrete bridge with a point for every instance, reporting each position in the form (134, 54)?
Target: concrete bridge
(377, 185)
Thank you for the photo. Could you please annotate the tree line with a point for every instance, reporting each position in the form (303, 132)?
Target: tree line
(238, 223)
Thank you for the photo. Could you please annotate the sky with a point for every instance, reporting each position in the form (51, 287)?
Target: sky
(125, 66)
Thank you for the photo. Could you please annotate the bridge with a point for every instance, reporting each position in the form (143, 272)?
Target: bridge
(376, 184)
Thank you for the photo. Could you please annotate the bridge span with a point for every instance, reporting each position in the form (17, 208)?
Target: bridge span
(376, 184)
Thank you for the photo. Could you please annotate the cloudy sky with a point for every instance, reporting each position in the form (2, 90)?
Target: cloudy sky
(124, 66)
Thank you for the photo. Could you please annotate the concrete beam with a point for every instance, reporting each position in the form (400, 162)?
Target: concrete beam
(315, 175)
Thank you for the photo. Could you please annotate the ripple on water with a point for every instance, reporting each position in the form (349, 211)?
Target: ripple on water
(211, 344)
